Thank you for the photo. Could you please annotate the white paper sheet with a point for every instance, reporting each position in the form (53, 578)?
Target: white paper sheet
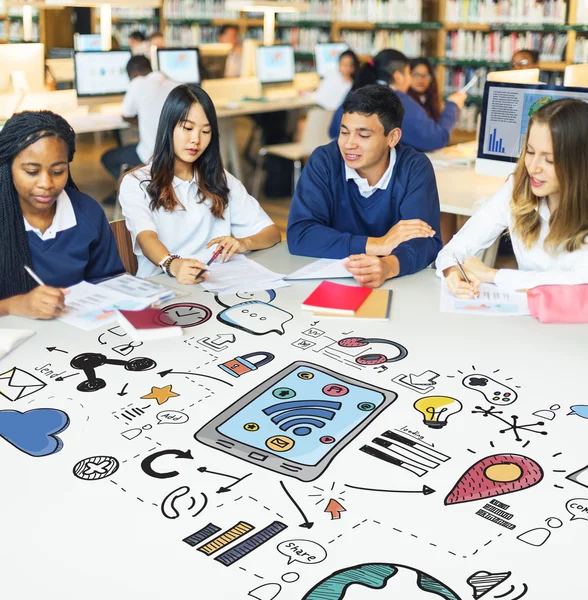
(241, 274)
(139, 288)
(492, 302)
(90, 306)
(324, 268)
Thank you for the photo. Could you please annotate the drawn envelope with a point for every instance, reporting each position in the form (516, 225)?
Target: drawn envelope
(16, 384)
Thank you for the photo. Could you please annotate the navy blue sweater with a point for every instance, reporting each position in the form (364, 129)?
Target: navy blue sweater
(85, 252)
(329, 218)
(419, 131)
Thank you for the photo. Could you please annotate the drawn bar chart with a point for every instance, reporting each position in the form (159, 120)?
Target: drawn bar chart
(495, 143)
(200, 535)
(239, 530)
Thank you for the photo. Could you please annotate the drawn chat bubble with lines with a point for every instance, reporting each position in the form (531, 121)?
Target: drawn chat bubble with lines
(306, 552)
(578, 508)
(256, 317)
(172, 417)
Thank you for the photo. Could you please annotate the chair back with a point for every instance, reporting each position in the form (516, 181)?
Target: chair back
(316, 132)
(124, 243)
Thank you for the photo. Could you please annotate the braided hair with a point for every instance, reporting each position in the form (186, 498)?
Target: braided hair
(21, 131)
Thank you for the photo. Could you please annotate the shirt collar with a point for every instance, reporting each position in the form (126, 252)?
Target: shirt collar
(384, 180)
(64, 218)
(543, 209)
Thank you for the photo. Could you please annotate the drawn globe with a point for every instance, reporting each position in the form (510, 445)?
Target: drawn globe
(382, 581)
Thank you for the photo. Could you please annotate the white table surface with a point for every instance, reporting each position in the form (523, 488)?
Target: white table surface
(66, 538)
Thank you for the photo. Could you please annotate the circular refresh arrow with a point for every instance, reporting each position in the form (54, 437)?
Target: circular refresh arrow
(147, 461)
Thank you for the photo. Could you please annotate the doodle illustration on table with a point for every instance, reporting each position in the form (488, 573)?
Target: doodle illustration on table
(96, 467)
(183, 314)
(436, 410)
(168, 506)
(88, 362)
(305, 552)
(578, 508)
(17, 383)
(240, 365)
(513, 424)
(253, 312)
(494, 391)
(379, 576)
(538, 536)
(219, 343)
(580, 476)
(423, 383)
(297, 421)
(494, 476)
(161, 394)
(34, 432)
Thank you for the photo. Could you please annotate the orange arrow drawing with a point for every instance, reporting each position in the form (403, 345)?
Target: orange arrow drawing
(335, 508)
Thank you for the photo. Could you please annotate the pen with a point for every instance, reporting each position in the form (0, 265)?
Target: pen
(463, 273)
(33, 275)
(212, 259)
(469, 84)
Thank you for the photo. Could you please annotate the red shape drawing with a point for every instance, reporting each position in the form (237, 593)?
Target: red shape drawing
(494, 476)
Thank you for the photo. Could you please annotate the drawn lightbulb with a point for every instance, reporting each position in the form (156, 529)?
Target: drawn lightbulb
(437, 409)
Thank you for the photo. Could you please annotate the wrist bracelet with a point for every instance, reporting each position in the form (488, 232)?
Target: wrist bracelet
(167, 263)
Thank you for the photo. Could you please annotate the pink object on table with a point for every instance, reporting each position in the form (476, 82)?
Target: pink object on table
(559, 303)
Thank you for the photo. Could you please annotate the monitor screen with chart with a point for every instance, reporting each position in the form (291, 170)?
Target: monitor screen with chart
(275, 64)
(506, 111)
(179, 64)
(101, 73)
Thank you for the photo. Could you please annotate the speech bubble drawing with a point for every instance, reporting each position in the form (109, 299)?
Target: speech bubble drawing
(305, 552)
(256, 317)
(581, 410)
(578, 508)
(172, 417)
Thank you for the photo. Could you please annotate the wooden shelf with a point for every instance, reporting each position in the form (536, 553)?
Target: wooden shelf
(553, 66)
(467, 26)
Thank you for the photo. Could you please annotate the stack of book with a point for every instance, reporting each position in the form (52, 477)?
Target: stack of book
(336, 300)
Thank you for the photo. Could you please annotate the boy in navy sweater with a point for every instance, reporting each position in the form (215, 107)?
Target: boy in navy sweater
(366, 197)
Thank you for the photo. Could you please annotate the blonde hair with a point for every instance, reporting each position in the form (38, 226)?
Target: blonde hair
(568, 225)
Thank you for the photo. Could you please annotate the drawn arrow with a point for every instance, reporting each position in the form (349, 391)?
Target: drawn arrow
(223, 338)
(147, 461)
(335, 508)
(307, 524)
(54, 349)
(381, 368)
(122, 392)
(205, 470)
(60, 378)
(227, 488)
(103, 343)
(314, 324)
(172, 372)
(426, 378)
(425, 491)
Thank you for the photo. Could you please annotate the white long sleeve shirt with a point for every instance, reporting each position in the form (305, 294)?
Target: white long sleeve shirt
(536, 265)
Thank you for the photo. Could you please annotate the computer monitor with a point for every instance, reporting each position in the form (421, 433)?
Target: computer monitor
(576, 75)
(179, 64)
(101, 73)
(28, 58)
(515, 76)
(214, 59)
(90, 42)
(275, 64)
(506, 111)
(326, 57)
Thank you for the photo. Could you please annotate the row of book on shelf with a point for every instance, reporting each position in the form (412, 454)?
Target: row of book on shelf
(500, 46)
(506, 11)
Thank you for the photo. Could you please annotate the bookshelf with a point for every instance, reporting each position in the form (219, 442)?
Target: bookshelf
(11, 24)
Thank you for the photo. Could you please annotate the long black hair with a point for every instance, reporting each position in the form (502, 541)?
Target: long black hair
(212, 180)
(381, 68)
(21, 131)
(432, 100)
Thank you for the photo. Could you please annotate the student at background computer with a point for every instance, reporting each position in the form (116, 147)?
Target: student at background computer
(423, 87)
(544, 207)
(46, 223)
(525, 59)
(143, 101)
(333, 89)
(367, 197)
(229, 34)
(419, 131)
(156, 39)
(183, 201)
(138, 43)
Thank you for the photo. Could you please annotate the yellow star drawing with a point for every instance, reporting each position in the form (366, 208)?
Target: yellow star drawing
(162, 394)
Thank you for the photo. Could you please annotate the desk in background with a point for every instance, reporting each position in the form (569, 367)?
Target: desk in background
(145, 491)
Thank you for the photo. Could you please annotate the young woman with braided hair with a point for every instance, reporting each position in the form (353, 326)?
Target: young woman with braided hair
(45, 222)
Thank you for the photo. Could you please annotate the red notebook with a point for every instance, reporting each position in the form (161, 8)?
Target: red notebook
(147, 324)
(336, 298)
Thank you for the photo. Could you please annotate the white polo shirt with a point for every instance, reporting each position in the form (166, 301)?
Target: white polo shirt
(365, 189)
(188, 228)
(536, 265)
(64, 218)
(144, 99)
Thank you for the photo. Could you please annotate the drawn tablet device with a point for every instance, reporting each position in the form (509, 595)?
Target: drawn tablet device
(297, 421)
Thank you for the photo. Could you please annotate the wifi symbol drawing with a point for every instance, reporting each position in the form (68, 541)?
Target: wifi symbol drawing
(302, 414)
